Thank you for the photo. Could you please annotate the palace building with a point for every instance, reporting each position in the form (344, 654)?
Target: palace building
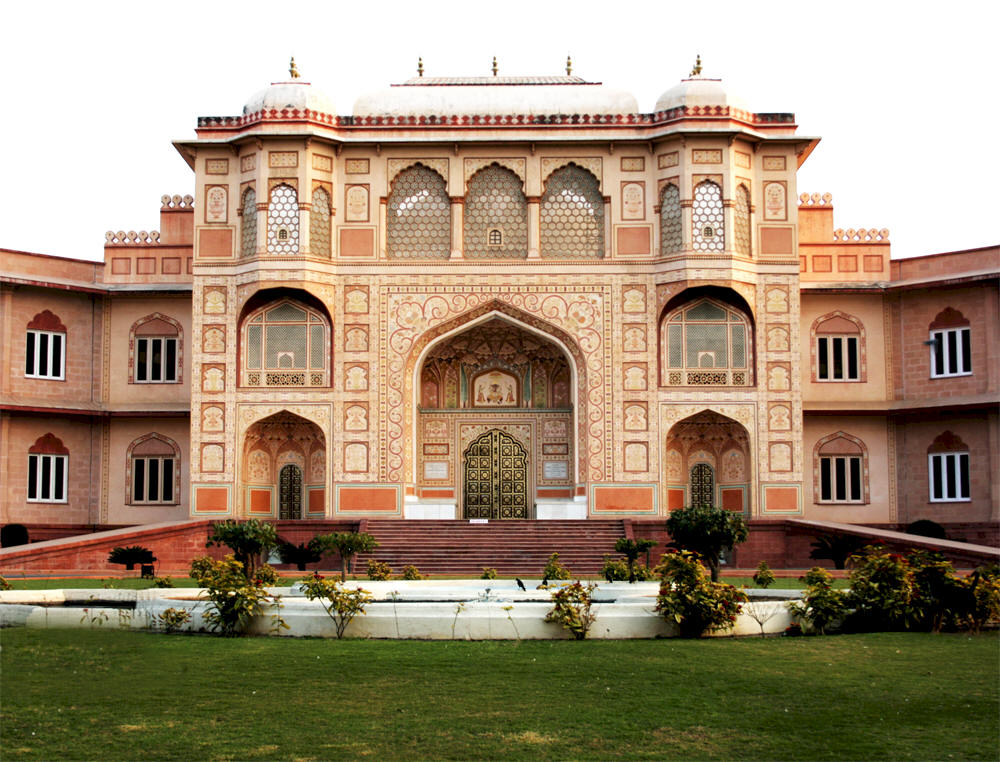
(498, 297)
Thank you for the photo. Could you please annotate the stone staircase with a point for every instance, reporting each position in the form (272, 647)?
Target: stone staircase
(518, 547)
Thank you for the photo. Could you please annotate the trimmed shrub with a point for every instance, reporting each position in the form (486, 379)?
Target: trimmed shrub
(233, 600)
(412, 572)
(249, 540)
(573, 608)
(554, 569)
(708, 531)
(378, 570)
(693, 602)
(763, 577)
(881, 591)
(822, 607)
(488, 573)
(340, 604)
(347, 545)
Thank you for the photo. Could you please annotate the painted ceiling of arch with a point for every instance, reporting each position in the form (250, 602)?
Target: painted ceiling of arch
(496, 343)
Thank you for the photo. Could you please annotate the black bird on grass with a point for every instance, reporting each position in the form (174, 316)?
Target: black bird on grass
(520, 584)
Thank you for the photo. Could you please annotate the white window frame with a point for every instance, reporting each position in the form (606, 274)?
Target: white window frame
(831, 355)
(149, 365)
(34, 357)
(940, 342)
(958, 464)
(849, 484)
(42, 490)
(166, 492)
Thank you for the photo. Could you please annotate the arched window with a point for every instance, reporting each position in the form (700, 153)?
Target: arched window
(154, 471)
(283, 221)
(670, 220)
(840, 469)
(708, 227)
(45, 347)
(418, 216)
(838, 346)
(572, 215)
(706, 343)
(741, 221)
(319, 223)
(951, 344)
(948, 469)
(494, 201)
(248, 223)
(286, 344)
(48, 469)
(155, 344)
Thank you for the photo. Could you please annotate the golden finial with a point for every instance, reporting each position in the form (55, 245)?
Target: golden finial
(420, 67)
(495, 69)
(293, 70)
(696, 69)
(569, 66)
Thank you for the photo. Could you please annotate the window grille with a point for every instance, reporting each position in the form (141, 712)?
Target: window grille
(289, 344)
(708, 230)
(319, 223)
(248, 224)
(283, 221)
(572, 215)
(741, 221)
(495, 201)
(418, 221)
(706, 344)
(45, 354)
(670, 220)
(948, 475)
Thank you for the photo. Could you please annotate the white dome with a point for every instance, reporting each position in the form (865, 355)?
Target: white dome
(699, 91)
(295, 94)
(495, 96)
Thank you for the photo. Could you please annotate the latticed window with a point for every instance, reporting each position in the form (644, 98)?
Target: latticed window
(286, 345)
(741, 221)
(706, 344)
(248, 223)
(319, 223)
(572, 215)
(670, 220)
(418, 221)
(708, 228)
(283, 221)
(495, 201)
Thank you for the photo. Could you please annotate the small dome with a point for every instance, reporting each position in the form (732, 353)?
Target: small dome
(495, 96)
(699, 91)
(294, 94)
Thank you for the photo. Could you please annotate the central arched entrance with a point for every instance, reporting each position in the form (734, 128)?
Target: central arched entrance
(495, 468)
(284, 468)
(708, 462)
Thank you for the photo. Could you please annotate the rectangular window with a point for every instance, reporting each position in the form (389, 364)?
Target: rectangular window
(155, 360)
(153, 480)
(951, 353)
(948, 474)
(837, 358)
(840, 479)
(44, 354)
(47, 478)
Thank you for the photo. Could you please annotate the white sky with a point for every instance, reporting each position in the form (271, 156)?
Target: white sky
(904, 94)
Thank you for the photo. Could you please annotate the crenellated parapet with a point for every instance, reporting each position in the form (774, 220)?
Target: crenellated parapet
(838, 255)
(176, 202)
(121, 238)
(154, 256)
(861, 235)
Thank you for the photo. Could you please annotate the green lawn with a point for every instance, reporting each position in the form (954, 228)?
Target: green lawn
(121, 695)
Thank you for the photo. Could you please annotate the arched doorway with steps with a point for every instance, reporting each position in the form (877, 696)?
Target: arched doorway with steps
(708, 462)
(283, 471)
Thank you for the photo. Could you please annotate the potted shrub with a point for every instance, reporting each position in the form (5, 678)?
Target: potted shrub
(130, 555)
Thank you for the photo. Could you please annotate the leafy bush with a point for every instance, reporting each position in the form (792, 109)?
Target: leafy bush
(173, 619)
(882, 593)
(983, 586)
(249, 540)
(937, 593)
(835, 547)
(412, 573)
(131, 555)
(347, 545)
(690, 600)
(340, 604)
(616, 570)
(378, 570)
(554, 569)
(266, 576)
(631, 549)
(708, 531)
(821, 605)
(488, 573)
(301, 554)
(162, 582)
(763, 577)
(234, 601)
(4, 584)
(573, 608)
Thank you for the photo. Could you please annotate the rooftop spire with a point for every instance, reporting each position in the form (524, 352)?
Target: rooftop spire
(293, 70)
(420, 67)
(495, 69)
(696, 69)
(569, 66)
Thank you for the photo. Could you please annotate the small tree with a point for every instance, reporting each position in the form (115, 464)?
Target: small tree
(631, 549)
(341, 604)
(690, 601)
(763, 577)
(347, 545)
(234, 599)
(249, 540)
(821, 606)
(708, 531)
(573, 608)
(555, 569)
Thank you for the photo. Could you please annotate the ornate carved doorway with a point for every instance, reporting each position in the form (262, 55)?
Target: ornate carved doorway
(496, 478)
(702, 485)
(290, 493)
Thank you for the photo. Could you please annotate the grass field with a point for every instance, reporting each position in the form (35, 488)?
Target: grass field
(122, 695)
